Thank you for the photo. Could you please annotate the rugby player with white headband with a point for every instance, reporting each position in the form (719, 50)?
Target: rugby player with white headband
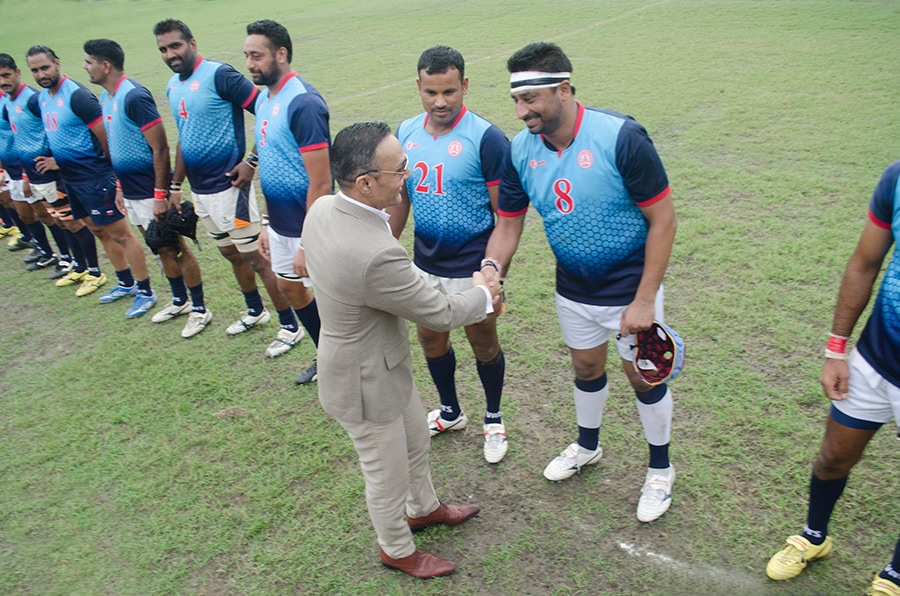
(601, 189)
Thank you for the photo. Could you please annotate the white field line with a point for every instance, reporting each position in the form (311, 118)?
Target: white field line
(737, 580)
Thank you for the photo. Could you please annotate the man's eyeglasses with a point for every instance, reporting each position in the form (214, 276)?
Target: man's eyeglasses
(401, 171)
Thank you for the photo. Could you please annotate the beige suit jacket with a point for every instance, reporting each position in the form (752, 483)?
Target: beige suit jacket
(366, 289)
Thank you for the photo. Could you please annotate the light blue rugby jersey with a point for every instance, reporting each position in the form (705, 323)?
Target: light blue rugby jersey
(11, 162)
(208, 110)
(68, 116)
(128, 112)
(288, 124)
(448, 189)
(879, 343)
(30, 139)
(589, 196)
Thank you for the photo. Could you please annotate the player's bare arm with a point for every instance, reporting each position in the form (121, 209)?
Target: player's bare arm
(178, 175)
(660, 238)
(853, 296)
(159, 146)
(502, 246)
(318, 166)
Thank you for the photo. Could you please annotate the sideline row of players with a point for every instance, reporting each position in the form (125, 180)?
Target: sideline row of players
(593, 175)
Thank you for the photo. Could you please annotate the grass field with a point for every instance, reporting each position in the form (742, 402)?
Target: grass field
(134, 462)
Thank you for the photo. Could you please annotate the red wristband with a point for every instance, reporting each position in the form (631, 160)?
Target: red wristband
(159, 194)
(837, 344)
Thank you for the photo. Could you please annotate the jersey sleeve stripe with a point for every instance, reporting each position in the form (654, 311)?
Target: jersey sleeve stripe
(151, 124)
(881, 224)
(95, 122)
(316, 147)
(665, 192)
(250, 99)
(503, 213)
(492, 183)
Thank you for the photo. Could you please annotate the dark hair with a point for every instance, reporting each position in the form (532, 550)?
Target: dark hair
(7, 61)
(170, 25)
(39, 49)
(106, 49)
(440, 59)
(353, 150)
(541, 56)
(275, 32)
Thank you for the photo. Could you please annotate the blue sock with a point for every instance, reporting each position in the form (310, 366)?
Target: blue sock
(589, 438)
(288, 320)
(891, 572)
(309, 318)
(179, 290)
(23, 227)
(823, 496)
(40, 236)
(254, 302)
(197, 298)
(491, 375)
(62, 244)
(77, 254)
(144, 286)
(89, 247)
(126, 279)
(659, 456)
(443, 373)
(8, 221)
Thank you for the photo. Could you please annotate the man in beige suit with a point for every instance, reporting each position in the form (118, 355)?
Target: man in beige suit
(367, 289)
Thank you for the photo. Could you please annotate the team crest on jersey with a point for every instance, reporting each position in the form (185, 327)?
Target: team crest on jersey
(411, 145)
(18, 109)
(585, 159)
(275, 109)
(115, 106)
(533, 164)
(455, 148)
(59, 102)
(195, 85)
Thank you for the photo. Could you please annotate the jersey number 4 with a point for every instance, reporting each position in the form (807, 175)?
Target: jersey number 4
(422, 168)
(182, 110)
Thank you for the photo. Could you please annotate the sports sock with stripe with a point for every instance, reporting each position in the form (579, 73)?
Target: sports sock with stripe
(491, 375)
(443, 373)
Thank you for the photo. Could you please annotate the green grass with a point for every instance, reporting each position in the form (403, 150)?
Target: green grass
(134, 462)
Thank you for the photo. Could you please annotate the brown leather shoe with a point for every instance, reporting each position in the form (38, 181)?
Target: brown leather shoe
(420, 564)
(450, 515)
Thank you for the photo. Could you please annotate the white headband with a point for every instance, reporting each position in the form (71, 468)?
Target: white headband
(529, 80)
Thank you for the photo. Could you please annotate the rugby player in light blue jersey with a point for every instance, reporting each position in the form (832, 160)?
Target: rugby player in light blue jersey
(456, 158)
(73, 122)
(293, 144)
(599, 185)
(208, 100)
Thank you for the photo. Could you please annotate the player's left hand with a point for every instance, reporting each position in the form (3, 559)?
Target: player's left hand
(120, 202)
(160, 208)
(264, 243)
(241, 175)
(835, 379)
(45, 163)
(638, 316)
(300, 263)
